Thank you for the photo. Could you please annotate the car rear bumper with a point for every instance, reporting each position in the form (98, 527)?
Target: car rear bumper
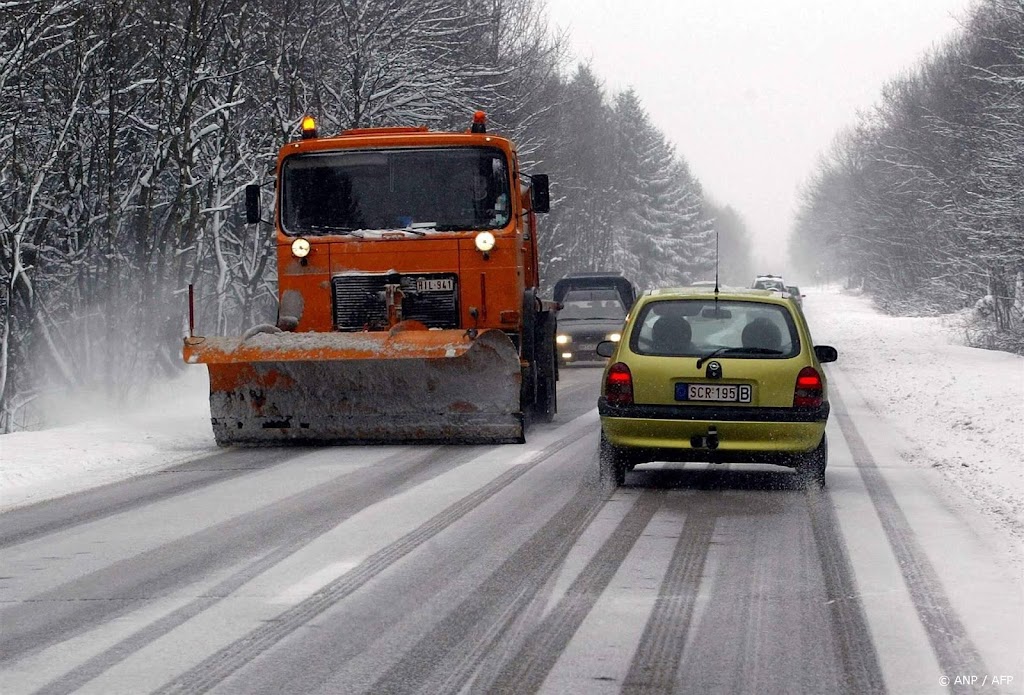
(736, 413)
(742, 434)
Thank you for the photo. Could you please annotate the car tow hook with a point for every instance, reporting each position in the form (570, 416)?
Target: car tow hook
(710, 441)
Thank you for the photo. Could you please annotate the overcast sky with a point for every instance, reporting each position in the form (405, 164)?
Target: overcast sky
(751, 91)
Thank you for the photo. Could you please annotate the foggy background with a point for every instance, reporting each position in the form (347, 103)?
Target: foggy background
(753, 92)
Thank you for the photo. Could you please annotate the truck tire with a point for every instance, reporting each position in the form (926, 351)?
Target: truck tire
(527, 352)
(546, 403)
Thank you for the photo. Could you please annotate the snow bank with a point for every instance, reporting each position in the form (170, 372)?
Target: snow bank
(959, 409)
(171, 426)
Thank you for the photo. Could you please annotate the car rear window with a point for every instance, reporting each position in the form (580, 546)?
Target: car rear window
(698, 327)
(769, 285)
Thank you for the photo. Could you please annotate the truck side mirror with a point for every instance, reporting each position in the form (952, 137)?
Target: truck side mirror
(252, 203)
(540, 195)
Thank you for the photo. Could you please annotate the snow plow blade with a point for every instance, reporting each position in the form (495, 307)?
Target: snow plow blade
(403, 386)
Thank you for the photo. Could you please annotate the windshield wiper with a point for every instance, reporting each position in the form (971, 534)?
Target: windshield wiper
(735, 351)
(465, 227)
(329, 228)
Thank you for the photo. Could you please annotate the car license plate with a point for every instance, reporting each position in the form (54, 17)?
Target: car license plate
(435, 284)
(722, 393)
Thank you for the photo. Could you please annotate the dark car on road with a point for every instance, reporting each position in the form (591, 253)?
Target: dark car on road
(593, 309)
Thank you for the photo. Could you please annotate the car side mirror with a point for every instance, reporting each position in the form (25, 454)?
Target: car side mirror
(826, 353)
(252, 203)
(606, 348)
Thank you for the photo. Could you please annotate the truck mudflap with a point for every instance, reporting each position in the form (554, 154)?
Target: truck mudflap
(390, 387)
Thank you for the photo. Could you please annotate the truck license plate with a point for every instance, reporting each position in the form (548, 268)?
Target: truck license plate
(435, 284)
(721, 393)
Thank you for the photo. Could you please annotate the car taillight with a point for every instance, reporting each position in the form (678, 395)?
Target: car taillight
(809, 389)
(618, 386)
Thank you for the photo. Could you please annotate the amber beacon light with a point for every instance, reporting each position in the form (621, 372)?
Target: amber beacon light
(308, 127)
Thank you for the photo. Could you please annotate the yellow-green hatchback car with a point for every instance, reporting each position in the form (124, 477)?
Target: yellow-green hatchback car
(717, 376)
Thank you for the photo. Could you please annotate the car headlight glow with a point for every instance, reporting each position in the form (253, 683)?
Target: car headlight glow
(484, 241)
(562, 339)
(300, 248)
(615, 337)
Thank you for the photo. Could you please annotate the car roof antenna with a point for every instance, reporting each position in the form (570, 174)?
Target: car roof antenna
(716, 269)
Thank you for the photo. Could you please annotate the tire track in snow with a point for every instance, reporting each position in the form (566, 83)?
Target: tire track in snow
(217, 667)
(861, 669)
(953, 648)
(159, 571)
(51, 516)
(526, 671)
(659, 653)
(449, 654)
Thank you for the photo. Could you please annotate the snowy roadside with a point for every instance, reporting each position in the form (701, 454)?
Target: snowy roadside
(959, 410)
(172, 426)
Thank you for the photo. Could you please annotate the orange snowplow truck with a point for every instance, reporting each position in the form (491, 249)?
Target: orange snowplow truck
(408, 296)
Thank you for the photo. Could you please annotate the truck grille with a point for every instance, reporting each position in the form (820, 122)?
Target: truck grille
(359, 301)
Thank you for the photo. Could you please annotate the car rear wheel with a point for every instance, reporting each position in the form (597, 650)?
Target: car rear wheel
(811, 466)
(613, 463)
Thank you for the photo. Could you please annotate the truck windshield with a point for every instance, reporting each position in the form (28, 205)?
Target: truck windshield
(424, 189)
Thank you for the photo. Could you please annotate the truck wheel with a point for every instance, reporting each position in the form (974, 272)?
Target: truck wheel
(546, 403)
(547, 395)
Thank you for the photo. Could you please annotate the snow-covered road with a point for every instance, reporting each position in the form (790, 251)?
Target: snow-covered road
(958, 410)
(379, 568)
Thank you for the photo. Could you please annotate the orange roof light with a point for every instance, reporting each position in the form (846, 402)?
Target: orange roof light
(479, 122)
(308, 127)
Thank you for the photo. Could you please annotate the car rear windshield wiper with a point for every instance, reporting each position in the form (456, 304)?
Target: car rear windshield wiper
(737, 350)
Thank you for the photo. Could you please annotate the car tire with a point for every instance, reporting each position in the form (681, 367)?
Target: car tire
(613, 463)
(811, 466)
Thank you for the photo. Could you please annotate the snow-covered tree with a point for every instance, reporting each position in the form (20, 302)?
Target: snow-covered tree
(659, 232)
(129, 129)
(923, 201)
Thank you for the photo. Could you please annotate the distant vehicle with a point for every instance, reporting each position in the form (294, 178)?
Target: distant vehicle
(769, 282)
(722, 378)
(703, 283)
(794, 293)
(593, 309)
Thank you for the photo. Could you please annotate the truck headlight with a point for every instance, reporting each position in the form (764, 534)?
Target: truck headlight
(563, 339)
(300, 248)
(615, 337)
(484, 241)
